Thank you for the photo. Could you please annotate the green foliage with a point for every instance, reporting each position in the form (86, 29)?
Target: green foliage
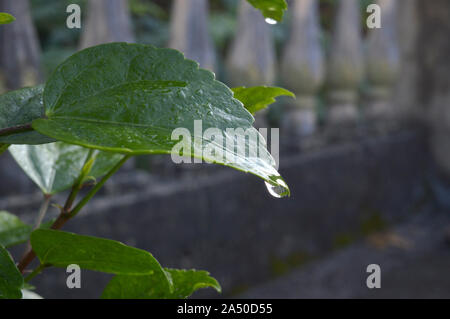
(259, 97)
(55, 167)
(145, 8)
(12, 230)
(61, 249)
(6, 18)
(185, 283)
(20, 107)
(129, 98)
(100, 104)
(11, 280)
(3, 147)
(272, 9)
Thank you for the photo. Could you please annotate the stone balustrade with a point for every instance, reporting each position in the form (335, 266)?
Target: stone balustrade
(351, 68)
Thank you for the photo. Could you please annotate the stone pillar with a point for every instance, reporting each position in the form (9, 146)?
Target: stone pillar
(19, 48)
(407, 108)
(302, 67)
(251, 60)
(189, 32)
(107, 21)
(383, 63)
(434, 81)
(345, 64)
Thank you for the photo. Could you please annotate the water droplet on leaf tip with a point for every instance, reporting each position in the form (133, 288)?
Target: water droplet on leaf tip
(277, 191)
(271, 21)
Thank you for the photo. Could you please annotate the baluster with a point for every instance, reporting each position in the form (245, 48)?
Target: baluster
(107, 21)
(302, 67)
(383, 62)
(189, 31)
(405, 102)
(251, 60)
(345, 64)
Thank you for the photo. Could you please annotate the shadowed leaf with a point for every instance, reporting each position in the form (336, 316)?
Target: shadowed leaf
(56, 166)
(61, 249)
(185, 283)
(12, 230)
(18, 108)
(11, 280)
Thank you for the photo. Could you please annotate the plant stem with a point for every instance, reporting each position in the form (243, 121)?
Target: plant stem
(16, 129)
(26, 260)
(64, 216)
(97, 187)
(79, 183)
(34, 273)
(42, 211)
(29, 254)
(41, 215)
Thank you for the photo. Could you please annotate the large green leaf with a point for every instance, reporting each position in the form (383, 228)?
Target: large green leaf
(61, 249)
(11, 280)
(56, 166)
(259, 97)
(6, 18)
(20, 108)
(129, 98)
(185, 283)
(12, 230)
(271, 9)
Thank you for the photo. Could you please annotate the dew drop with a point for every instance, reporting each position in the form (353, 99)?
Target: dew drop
(271, 21)
(277, 191)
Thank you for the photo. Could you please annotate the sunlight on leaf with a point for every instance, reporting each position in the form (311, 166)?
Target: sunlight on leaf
(6, 18)
(259, 97)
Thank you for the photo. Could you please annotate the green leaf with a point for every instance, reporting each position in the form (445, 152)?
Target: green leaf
(104, 162)
(129, 98)
(11, 280)
(185, 283)
(259, 97)
(12, 230)
(61, 249)
(271, 9)
(55, 167)
(6, 18)
(3, 147)
(18, 108)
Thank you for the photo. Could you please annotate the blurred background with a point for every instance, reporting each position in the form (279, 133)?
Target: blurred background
(364, 148)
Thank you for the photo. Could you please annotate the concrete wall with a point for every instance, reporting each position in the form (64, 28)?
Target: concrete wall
(226, 222)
